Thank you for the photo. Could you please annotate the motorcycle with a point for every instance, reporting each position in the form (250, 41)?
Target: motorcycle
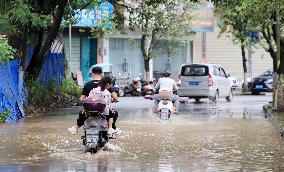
(95, 132)
(165, 106)
(148, 88)
(95, 126)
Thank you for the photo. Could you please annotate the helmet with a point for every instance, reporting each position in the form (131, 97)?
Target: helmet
(92, 104)
(136, 79)
(167, 73)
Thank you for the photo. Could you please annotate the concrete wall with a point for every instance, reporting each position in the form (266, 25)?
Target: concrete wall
(76, 52)
(223, 51)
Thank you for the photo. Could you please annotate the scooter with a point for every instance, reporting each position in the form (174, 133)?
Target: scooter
(165, 106)
(148, 88)
(95, 126)
(95, 132)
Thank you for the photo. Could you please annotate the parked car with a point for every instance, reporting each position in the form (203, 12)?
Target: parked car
(262, 83)
(234, 81)
(204, 81)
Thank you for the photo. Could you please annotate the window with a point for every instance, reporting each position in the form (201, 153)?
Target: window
(222, 73)
(194, 71)
(215, 71)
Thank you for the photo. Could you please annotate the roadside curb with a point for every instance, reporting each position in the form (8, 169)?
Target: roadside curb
(273, 117)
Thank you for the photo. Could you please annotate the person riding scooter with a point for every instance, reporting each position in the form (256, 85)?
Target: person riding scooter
(88, 87)
(166, 82)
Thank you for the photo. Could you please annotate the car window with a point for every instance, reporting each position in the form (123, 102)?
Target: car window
(267, 73)
(215, 71)
(222, 73)
(194, 71)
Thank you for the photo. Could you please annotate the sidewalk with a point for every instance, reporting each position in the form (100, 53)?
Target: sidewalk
(239, 92)
(276, 118)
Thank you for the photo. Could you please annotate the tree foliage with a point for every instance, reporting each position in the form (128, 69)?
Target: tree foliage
(260, 16)
(37, 22)
(164, 19)
(6, 51)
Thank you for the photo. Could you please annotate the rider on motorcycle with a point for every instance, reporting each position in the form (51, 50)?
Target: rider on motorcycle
(101, 92)
(166, 82)
(96, 76)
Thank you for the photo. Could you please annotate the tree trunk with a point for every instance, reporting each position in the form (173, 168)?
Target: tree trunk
(145, 52)
(19, 41)
(38, 57)
(279, 89)
(245, 84)
(34, 62)
(268, 37)
(23, 47)
(279, 92)
(147, 68)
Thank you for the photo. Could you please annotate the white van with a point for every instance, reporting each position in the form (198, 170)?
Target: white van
(204, 81)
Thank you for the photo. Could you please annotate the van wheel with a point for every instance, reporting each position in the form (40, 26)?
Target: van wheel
(229, 98)
(215, 99)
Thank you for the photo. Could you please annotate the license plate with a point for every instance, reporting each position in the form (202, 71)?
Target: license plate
(193, 83)
(259, 86)
(91, 139)
(164, 116)
(165, 110)
(92, 131)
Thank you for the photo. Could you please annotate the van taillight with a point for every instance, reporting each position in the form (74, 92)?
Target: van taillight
(210, 80)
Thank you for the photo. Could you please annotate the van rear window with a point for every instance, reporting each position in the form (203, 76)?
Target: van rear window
(194, 71)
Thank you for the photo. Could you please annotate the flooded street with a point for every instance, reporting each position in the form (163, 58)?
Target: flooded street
(202, 137)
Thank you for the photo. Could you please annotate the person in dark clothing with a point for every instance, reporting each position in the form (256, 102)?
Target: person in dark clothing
(96, 76)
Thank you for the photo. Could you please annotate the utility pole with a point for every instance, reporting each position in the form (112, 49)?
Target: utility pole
(70, 48)
(203, 60)
(275, 78)
(277, 34)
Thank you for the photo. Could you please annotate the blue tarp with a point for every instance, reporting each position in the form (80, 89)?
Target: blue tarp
(11, 97)
(13, 93)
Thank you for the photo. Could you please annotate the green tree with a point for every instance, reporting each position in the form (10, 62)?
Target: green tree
(234, 19)
(40, 21)
(163, 19)
(262, 16)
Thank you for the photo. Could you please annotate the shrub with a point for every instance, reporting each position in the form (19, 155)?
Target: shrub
(47, 97)
(4, 115)
(6, 51)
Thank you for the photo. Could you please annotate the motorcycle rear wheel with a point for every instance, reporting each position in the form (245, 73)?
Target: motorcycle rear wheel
(93, 150)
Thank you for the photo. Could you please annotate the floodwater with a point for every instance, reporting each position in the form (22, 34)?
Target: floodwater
(202, 137)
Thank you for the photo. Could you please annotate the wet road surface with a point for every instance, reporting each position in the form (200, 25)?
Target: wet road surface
(225, 136)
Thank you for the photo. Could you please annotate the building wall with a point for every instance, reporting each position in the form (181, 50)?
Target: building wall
(74, 62)
(124, 50)
(223, 51)
(172, 61)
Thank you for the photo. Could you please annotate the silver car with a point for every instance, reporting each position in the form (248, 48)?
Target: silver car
(204, 81)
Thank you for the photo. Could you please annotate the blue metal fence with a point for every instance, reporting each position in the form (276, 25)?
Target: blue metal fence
(53, 67)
